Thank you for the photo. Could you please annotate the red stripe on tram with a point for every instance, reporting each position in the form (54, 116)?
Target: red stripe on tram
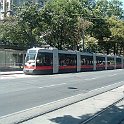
(87, 66)
(39, 67)
(118, 65)
(98, 66)
(44, 67)
(110, 65)
(29, 67)
(67, 67)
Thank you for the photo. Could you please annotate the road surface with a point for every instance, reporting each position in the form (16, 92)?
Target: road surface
(20, 92)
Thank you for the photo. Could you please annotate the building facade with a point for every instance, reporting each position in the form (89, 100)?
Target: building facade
(6, 6)
(11, 60)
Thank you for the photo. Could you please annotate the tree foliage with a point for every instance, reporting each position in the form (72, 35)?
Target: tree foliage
(103, 13)
(23, 28)
(67, 24)
(64, 23)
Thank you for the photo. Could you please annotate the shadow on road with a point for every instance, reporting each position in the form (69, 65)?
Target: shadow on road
(113, 115)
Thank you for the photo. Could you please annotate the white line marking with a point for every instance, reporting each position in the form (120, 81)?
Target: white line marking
(90, 79)
(53, 85)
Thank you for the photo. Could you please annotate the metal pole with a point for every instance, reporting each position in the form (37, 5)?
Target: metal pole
(4, 8)
(83, 38)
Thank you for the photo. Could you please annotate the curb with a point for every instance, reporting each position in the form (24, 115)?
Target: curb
(10, 73)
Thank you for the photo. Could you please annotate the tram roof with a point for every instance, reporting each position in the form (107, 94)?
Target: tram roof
(71, 51)
(40, 48)
(48, 49)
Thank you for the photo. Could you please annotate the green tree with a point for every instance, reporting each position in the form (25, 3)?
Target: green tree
(65, 24)
(28, 19)
(62, 18)
(24, 27)
(100, 30)
(117, 34)
(91, 44)
(105, 8)
(102, 11)
(115, 9)
(8, 29)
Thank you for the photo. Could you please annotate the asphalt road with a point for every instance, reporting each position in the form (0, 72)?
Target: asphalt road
(20, 92)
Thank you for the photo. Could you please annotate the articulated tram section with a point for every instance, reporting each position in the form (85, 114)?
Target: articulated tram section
(52, 60)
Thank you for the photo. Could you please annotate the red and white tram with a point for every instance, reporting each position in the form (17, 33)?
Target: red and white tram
(51, 60)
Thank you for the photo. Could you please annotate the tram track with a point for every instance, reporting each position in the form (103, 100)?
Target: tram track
(87, 121)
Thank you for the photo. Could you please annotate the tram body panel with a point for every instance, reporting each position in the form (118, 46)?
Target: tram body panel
(110, 63)
(123, 62)
(67, 62)
(87, 62)
(78, 61)
(50, 61)
(100, 62)
(118, 63)
(55, 61)
(42, 61)
(30, 63)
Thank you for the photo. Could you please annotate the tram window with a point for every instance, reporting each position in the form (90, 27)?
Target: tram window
(67, 59)
(118, 60)
(86, 60)
(110, 61)
(44, 59)
(100, 60)
(32, 51)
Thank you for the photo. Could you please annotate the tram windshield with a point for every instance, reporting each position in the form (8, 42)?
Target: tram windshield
(30, 57)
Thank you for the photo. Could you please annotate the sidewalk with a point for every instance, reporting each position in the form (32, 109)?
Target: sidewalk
(10, 72)
(79, 112)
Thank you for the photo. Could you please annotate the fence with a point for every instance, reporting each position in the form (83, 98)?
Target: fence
(11, 59)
